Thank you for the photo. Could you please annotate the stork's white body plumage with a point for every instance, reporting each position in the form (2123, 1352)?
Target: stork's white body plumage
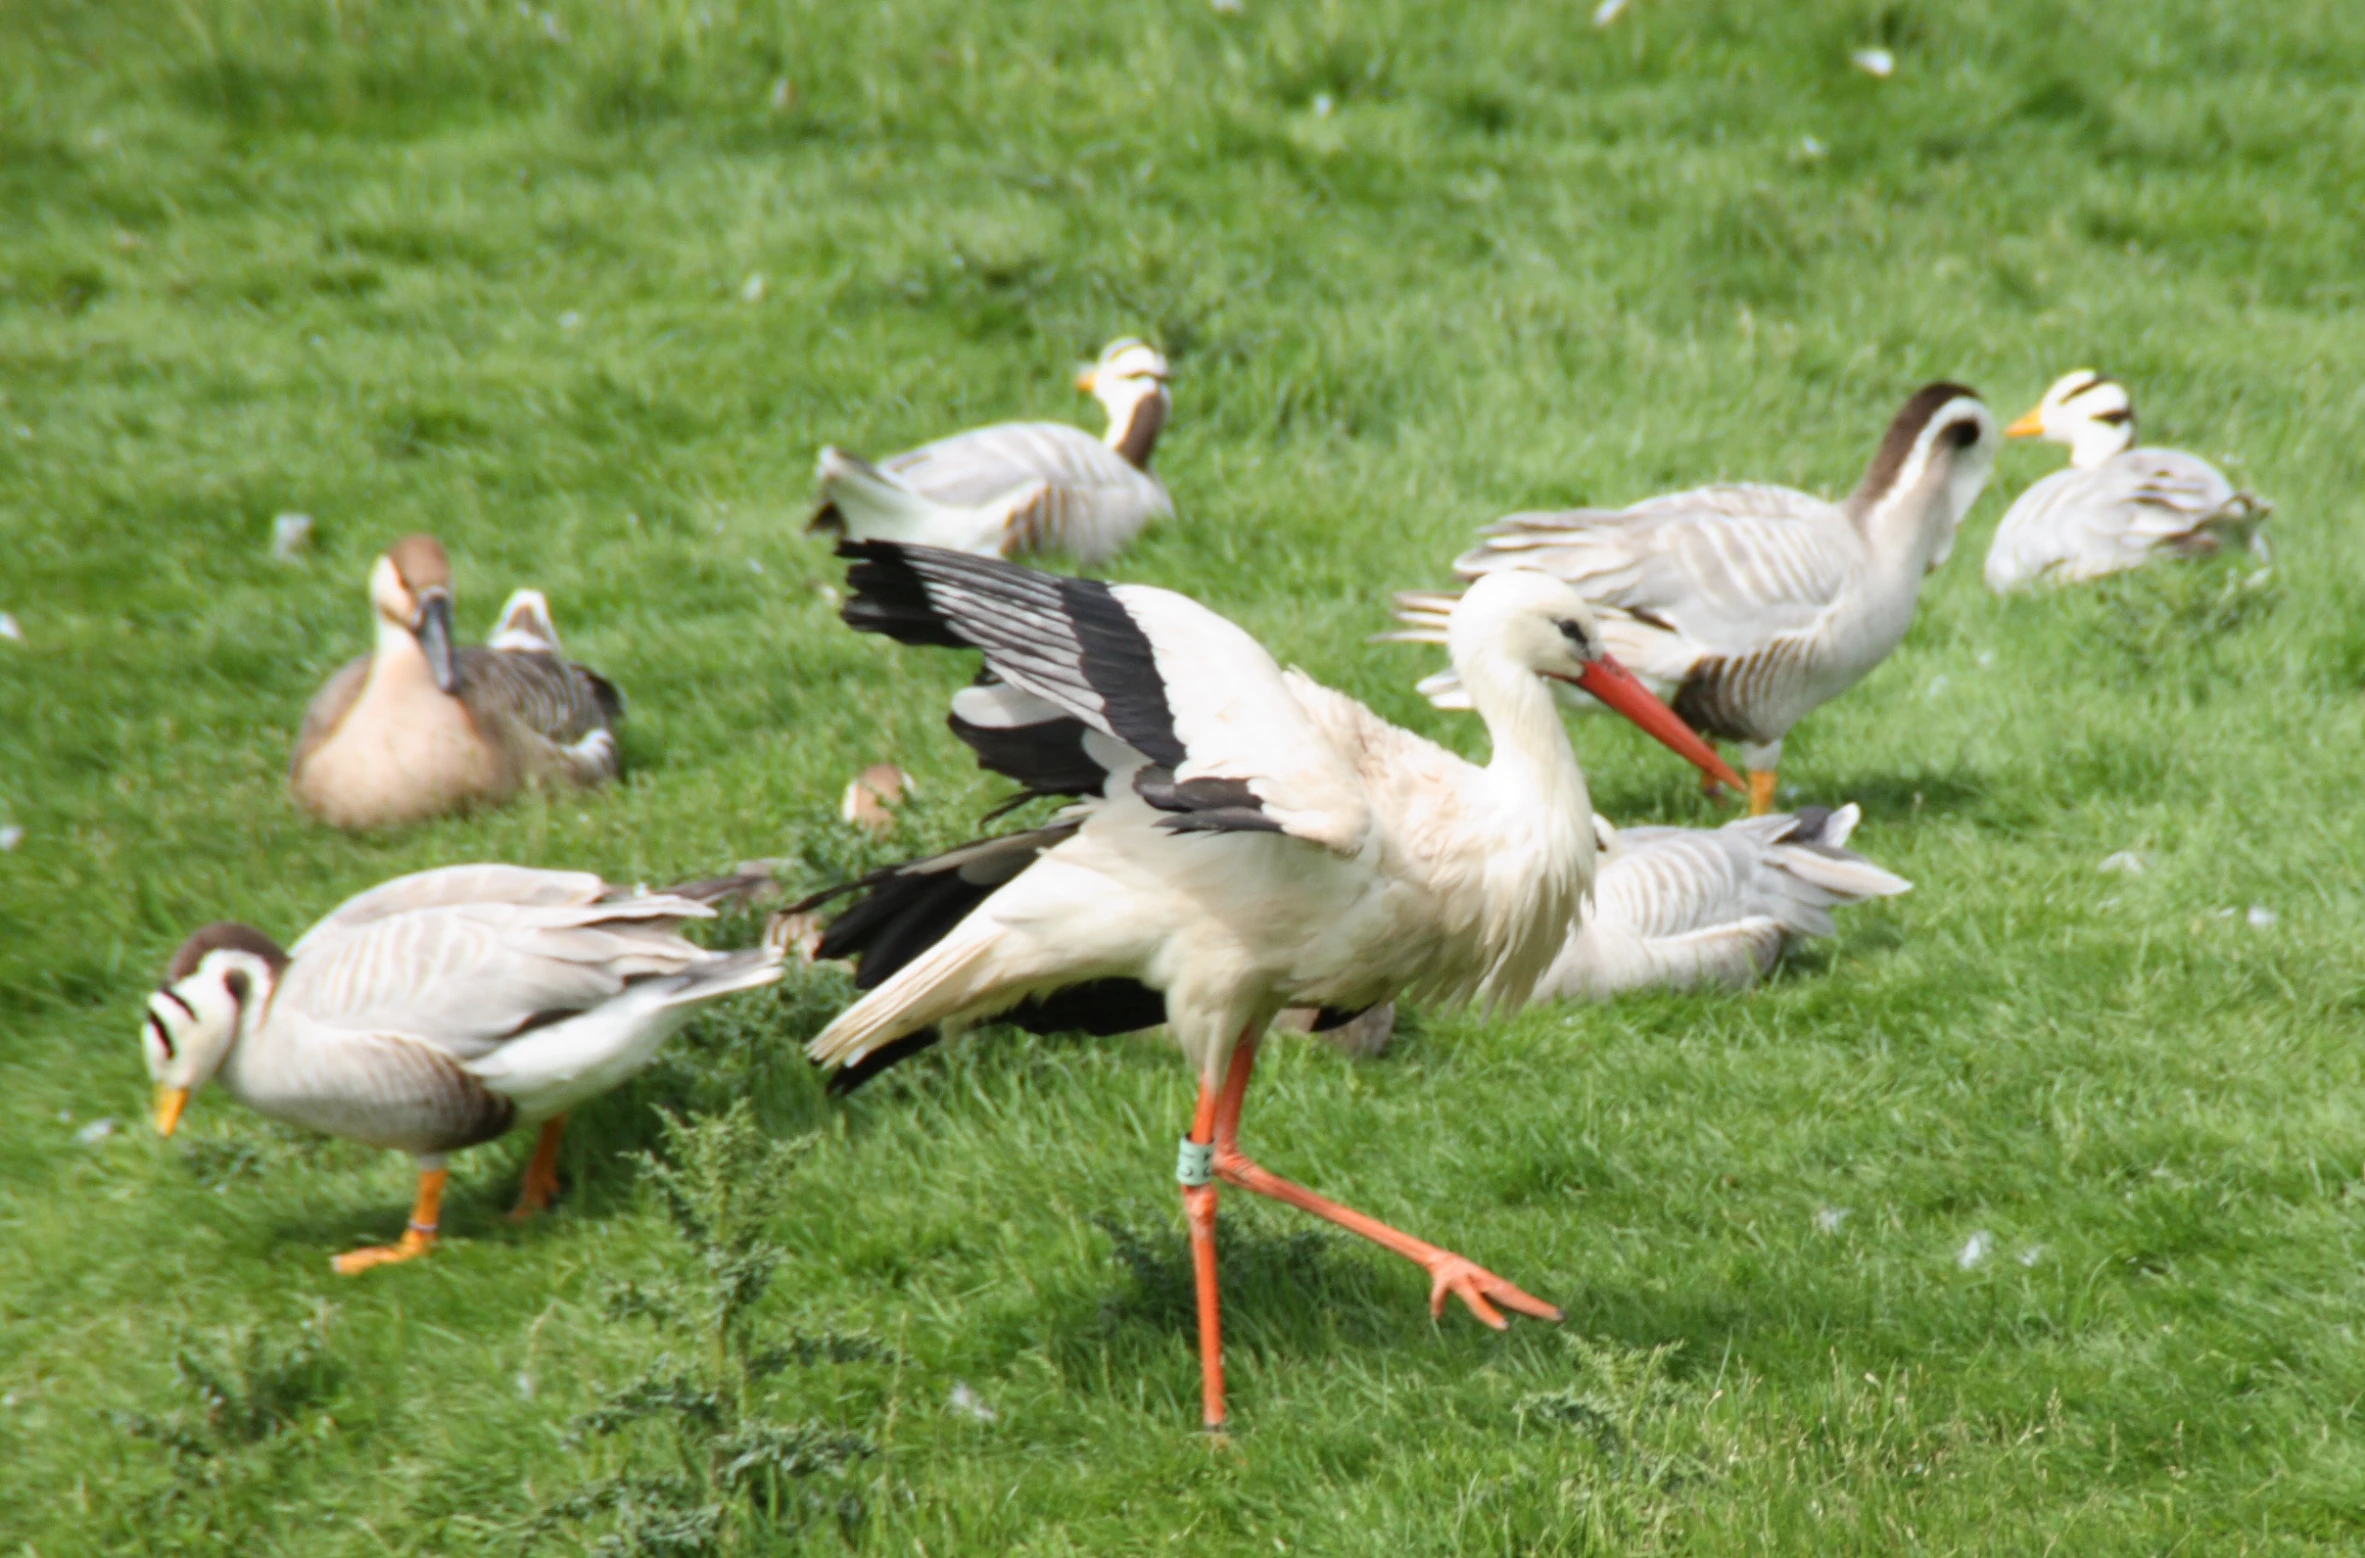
(1018, 488)
(2116, 506)
(1749, 606)
(1246, 840)
(1677, 908)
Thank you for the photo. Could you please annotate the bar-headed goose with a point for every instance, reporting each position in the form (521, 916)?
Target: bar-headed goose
(2116, 506)
(1676, 908)
(1747, 606)
(1018, 488)
(439, 1010)
(418, 727)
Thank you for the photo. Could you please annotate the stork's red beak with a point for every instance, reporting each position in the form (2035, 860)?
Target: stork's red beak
(1619, 689)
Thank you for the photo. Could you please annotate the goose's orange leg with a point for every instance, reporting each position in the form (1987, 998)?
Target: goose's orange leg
(541, 1181)
(1198, 1193)
(1465, 1279)
(417, 1239)
(1761, 791)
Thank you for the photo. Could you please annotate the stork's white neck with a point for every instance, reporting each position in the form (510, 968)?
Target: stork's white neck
(1533, 775)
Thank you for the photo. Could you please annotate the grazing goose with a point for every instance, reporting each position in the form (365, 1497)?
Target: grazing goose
(1018, 488)
(1674, 908)
(1245, 840)
(439, 1010)
(2116, 506)
(417, 728)
(1747, 606)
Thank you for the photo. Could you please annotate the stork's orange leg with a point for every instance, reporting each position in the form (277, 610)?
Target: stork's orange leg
(541, 1182)
(1761, 791)
(1198, 1193)
(417, 1239)
(1466, 1280)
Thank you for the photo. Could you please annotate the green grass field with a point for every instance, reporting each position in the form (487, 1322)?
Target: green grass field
(491, 269)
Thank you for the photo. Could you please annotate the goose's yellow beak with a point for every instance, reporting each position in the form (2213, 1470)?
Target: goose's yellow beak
(1087, 379)
(170, 1101)
(2029, 426)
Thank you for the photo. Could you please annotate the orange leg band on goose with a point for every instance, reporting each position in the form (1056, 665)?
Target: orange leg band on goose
(1473, 1284)
(416, 1240)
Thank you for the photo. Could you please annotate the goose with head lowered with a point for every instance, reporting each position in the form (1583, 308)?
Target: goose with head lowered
(2116, 506)
(440, 1010)
(1244, 839)
(419, 727)
(1019, 488)
(1747, 607)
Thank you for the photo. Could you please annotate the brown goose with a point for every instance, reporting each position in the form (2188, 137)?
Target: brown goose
(417, 728)
(1748, 606)
(1018, 488)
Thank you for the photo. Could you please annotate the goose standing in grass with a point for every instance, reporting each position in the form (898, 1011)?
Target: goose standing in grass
(1019, 488)
(1748, 606)
(418, 727)
(1676, 908)
(1245, 840)
(438, 1011)
(2115, 506)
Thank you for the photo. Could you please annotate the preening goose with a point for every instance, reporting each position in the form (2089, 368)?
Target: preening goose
(2116, 506)
(417, 728)
(1019, 488)
(1674, 908)
(1244, 840)
(439, 1010)
(1748, 606)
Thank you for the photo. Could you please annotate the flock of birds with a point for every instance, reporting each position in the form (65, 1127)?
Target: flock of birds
(1239, 843)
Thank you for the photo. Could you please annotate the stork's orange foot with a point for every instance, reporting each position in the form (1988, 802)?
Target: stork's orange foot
(411, 1246)
(1476, 1286)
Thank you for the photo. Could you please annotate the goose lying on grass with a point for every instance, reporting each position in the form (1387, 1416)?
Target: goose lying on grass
(1018, 488)
(2115, 506)
(418, 727)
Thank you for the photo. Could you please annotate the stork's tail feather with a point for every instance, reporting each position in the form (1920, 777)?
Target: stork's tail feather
(940, 982)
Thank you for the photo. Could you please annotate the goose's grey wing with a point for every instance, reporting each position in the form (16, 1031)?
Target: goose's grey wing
(2082, 524)
(466, 976)
(555, 699)
(450, 886)
(1091, 501)
(1724, 569)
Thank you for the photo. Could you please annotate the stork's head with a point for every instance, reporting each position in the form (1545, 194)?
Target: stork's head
(218, 985)
(2090, 412)
(1536, 623)
(1128, 371)
(411, 589)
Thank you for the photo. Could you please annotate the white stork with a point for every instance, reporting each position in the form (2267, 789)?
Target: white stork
(1246, 840)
